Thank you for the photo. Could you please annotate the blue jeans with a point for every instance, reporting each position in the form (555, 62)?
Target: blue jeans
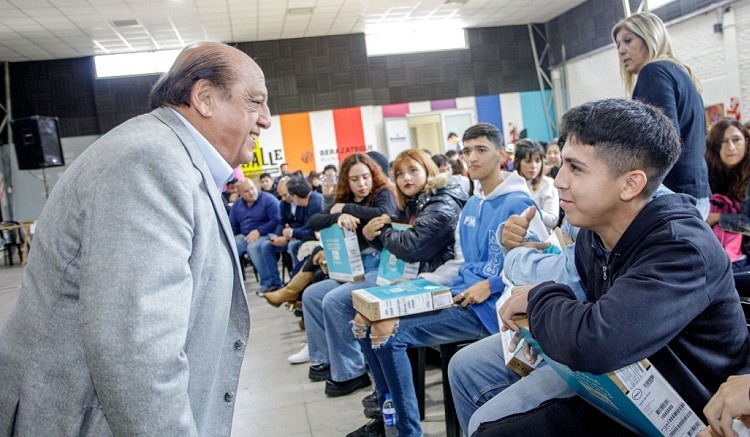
(263, 256)
(327, 311)
(485, 390)
(293, 248)
(390, 365)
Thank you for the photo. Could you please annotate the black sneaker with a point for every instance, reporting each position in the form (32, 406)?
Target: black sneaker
(373, 428)
(320, 372)
(372, 412)
(370, 400)
(343, 388)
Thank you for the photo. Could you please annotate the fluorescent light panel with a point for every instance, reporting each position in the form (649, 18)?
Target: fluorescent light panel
(134, 64)
(413, 37)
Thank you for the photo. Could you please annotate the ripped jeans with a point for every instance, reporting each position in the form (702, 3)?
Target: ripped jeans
(390, 365)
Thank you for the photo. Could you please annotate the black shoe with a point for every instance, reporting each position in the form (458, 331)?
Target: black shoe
(371, 400)
(298, 312)
(373, 428)
(343, 388)
(320, 372)
(372, 412)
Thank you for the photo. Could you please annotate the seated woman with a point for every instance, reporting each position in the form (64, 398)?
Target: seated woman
(728, 176)
(529, 158)
(362, 193)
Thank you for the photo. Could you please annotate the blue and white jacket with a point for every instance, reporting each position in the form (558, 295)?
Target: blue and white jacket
(481, 254)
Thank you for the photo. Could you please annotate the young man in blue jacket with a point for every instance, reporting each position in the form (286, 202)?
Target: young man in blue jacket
(657, 283)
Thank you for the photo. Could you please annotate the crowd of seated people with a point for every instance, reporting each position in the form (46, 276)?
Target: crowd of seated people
(445, 238)
(649, 275)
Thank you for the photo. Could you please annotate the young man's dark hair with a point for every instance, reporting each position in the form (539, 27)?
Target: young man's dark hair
(298, 186)
(638, 138)
(452, 135)
(451, 155)
(487, 130)
(329, 167)
(265, 175)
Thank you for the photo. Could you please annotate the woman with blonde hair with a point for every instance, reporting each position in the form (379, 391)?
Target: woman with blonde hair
(653, 74)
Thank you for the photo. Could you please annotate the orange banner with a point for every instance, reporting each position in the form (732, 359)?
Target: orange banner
(298, 145)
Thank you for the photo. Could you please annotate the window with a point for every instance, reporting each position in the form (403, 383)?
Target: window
(413, 37)
(132, 64)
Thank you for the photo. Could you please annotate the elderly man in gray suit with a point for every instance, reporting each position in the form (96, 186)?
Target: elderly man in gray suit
(132, 317)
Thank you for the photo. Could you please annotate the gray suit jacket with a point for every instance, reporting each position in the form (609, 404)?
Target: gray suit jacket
(132, 317)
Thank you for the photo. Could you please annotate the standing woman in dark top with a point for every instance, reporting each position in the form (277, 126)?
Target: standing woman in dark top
(654, 75)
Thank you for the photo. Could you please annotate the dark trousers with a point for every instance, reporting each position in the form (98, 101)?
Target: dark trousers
(558, 417)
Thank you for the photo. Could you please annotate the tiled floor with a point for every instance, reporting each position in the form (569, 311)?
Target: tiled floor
(275, 398)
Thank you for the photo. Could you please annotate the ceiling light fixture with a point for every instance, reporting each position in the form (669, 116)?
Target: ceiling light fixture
(415, 37)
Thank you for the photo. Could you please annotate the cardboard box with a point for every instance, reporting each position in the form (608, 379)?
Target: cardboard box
(401, 299)
(343, 257)
(515, 360)
(393, 269)
(637, 396)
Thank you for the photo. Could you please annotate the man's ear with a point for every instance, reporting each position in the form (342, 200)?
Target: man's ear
(202, 97)
(634, 184)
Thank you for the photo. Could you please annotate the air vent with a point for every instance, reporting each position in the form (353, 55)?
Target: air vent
(299, 11)
(126, 23)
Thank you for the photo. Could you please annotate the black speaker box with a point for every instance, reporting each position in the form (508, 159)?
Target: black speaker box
(37, 141)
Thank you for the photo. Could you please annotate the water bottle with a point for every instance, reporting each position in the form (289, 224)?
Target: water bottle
(389, 417)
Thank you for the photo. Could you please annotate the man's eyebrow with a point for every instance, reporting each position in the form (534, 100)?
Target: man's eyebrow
(575, 162)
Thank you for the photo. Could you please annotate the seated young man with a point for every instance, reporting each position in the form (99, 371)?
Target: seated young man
(475, 394)
(657, 282)
(476, 285)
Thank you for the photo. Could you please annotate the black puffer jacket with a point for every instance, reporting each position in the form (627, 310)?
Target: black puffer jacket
(431, 237)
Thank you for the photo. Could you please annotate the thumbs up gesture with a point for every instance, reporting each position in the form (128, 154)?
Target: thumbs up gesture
(514, 231)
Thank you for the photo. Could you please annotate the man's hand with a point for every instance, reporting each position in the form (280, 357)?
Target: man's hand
(287, 232)
(513, 307)
(348, 221)
(279, 241)
(477, 293)
(514, 231)
(252, 236)
(730, 401)
(373, 228)
(318, 257)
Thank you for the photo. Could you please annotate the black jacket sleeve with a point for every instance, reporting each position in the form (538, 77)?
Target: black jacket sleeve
(382, 203)
(643, 310)
(428, 236)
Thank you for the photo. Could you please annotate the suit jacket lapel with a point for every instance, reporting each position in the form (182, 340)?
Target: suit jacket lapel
(166, 116)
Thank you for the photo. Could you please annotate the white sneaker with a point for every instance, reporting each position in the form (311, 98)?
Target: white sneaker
(300, 357)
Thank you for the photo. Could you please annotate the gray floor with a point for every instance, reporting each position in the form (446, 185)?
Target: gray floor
(275, 398)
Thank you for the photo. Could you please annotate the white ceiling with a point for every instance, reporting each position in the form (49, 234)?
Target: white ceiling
(56, 29)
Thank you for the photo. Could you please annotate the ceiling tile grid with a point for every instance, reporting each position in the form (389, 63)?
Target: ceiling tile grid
(58, 29)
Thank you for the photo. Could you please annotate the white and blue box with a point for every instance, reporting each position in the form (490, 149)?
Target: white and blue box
(342, 254)
(401, 299)
(392, 269)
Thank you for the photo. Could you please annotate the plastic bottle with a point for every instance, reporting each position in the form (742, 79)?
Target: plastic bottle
(389, 417)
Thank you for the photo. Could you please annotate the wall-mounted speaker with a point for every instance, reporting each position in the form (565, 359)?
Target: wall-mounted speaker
(37, 141)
